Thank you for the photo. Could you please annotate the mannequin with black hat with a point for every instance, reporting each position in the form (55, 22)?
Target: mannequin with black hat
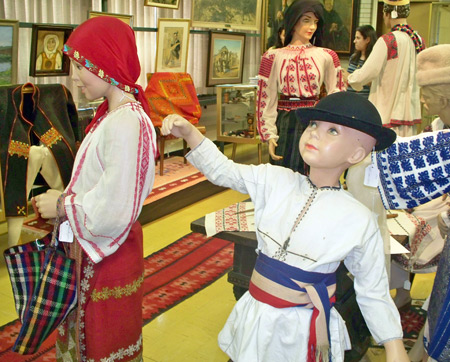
(291, 77)
(305, 226)
(391, 68)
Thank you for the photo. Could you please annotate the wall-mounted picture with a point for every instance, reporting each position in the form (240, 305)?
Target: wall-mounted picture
(47, 58)
(127, 19)
(9, 40)
(170, 4)
(339, 21)
(225, 58)
(172, 45)
(227, 14)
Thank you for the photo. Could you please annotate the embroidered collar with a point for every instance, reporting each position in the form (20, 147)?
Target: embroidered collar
(331, 188)
(418, 43)
(299, 47)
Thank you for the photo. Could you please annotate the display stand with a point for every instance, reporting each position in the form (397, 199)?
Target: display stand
(236, 110)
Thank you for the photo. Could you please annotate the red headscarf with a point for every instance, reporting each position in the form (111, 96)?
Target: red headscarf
(106, 46)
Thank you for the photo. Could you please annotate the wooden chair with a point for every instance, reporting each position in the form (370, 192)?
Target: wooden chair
(169, 93)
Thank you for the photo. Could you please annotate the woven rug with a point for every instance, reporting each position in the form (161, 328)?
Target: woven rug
(172, 275)
(176, 176)
(413, 318)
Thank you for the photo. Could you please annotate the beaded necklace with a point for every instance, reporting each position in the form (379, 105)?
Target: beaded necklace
(418, 43)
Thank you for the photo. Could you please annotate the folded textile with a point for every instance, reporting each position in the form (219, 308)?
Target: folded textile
(236, 217)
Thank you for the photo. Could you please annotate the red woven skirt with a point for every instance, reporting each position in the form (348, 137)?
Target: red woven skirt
(108, 322)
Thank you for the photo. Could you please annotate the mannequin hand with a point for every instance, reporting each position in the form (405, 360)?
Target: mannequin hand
(46, 203)
(180, 127)
(176, 125)
(272, 145)
(443, 229)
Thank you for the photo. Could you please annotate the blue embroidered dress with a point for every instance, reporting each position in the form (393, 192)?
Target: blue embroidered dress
(414, 171)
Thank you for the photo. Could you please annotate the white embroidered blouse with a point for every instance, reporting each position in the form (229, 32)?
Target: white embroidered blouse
(112, 175)
(296, 71)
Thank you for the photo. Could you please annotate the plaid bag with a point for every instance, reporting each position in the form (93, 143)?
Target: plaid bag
(43, 281)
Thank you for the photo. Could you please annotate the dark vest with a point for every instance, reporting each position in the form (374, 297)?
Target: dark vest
(46, 115)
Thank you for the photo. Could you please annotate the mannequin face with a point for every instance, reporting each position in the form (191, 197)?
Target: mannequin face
(360, 42)
(331, 146)
(91, 85)
(305, 28)
(431, 102)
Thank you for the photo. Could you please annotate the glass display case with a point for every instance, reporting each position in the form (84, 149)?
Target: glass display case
(236, 106)
(236, 110)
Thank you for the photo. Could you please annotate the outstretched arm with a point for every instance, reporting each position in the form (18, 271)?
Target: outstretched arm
(180, 127)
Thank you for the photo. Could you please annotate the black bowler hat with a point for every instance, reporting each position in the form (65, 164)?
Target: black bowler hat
(350, 110)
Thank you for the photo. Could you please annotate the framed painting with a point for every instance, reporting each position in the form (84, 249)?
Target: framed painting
(172, 45)
(227, 14)
(225, 58)
(339, 23)
(170, 4)
(47, 58)
(9, 42)
(127, 19)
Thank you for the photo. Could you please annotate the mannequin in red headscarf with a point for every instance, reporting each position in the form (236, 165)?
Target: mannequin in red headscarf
(112, 175)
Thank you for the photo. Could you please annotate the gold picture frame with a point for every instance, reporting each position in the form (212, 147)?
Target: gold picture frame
(169, 4)
(227, 14)
(9, 45)
(127, 19)
(172, 45)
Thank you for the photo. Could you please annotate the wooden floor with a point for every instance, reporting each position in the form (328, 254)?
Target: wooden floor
(188, 332)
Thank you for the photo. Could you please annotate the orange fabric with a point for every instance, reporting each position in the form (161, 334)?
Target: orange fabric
(169, 93)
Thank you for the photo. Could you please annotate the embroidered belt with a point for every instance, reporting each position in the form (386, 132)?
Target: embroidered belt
(282, 286)
(288, 104)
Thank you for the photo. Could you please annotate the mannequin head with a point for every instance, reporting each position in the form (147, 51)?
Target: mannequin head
(395, 12)
(294, 13)
(433, 76)
(343, 128)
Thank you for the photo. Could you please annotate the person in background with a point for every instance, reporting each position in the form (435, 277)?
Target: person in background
(291, 77)
(288, 313)
(365, 38)
(415, 170)
(391, 67)
(112, 175)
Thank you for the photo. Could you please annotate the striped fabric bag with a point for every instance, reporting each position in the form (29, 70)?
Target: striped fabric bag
(43, 281)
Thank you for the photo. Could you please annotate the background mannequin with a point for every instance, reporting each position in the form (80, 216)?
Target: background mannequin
(391, 67)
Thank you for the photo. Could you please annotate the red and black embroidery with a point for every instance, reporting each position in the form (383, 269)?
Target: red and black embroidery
(392, 47)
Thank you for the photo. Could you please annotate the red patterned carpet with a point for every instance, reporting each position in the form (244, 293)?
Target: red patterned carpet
(172, 275)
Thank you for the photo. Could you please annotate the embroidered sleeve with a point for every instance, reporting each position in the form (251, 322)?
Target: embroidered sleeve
(334, 81)
(414, 170)
(102, 216)
(267, 98)
(367, 264)
(372, 67)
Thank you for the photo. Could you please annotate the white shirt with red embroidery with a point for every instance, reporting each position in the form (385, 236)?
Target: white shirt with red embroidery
(296, 71)
(113, 173)
(391, 67)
